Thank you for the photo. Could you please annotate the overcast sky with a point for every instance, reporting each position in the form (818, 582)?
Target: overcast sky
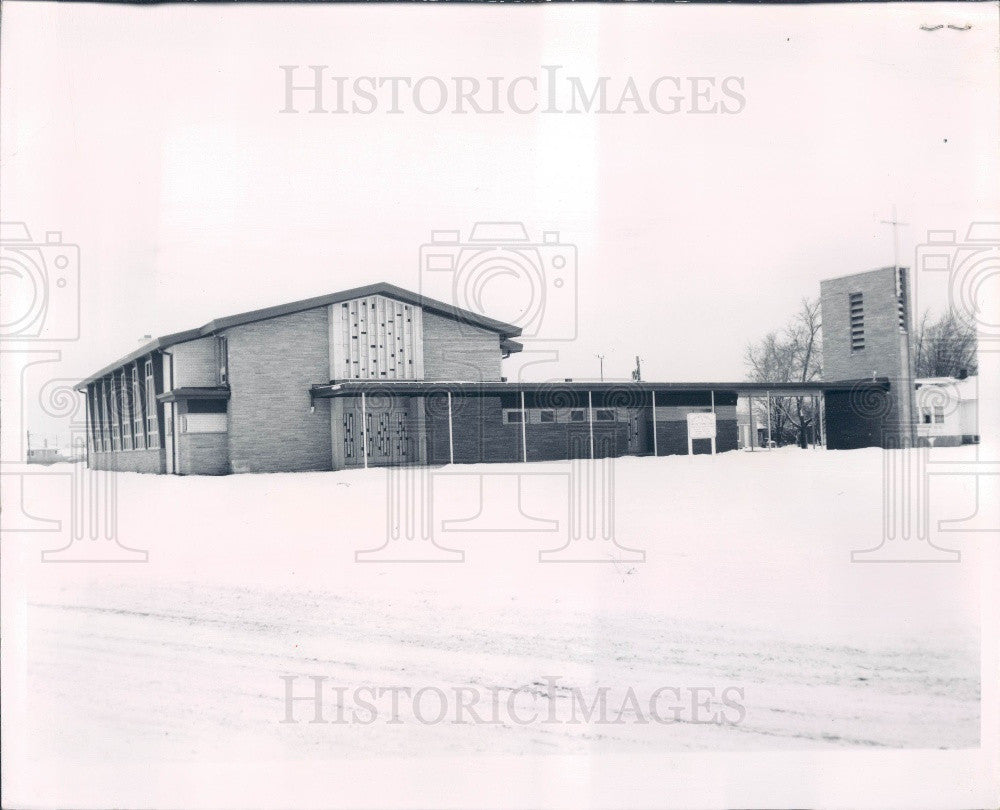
(152, 138)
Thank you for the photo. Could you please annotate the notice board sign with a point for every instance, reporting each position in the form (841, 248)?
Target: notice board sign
(701, 425)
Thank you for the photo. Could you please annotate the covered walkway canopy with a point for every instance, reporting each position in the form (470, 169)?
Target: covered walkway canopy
(855, 404)
(744, 389)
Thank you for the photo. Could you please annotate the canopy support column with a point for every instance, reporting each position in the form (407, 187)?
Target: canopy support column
(451, 434)
(768, 420)
(524, 430)
(656, 449)
(590, 420)
(364, 428)
(713, 414)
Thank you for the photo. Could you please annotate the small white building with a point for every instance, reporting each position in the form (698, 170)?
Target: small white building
(44, 455)
(947, 410)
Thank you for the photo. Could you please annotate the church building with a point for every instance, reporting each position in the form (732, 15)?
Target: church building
(378, 376)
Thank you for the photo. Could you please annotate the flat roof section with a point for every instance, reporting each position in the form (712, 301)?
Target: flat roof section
(417, 387)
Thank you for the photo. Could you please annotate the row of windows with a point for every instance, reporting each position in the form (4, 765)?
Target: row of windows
(514, 416)
(123, 410)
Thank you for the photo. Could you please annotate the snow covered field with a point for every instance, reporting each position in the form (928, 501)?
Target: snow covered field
(747, 584)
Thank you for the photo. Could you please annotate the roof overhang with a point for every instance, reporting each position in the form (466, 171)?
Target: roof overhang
(208, 392)
(425, 387)
(509, 347)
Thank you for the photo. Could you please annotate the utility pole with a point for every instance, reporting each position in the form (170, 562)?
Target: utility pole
(601, 358)
(637, 374)
(896, 224)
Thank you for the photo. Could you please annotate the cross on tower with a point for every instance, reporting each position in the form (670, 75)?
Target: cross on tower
(895, 223)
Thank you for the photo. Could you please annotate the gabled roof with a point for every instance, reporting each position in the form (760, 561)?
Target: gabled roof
(505, 331)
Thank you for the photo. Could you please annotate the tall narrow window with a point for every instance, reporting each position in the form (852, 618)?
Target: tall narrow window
(152, 426)
(222, 348)
(100, 425)
(114, 392)
(105, 417)
(95, 436)
(138, 403)
(857, 306)
(125, 390)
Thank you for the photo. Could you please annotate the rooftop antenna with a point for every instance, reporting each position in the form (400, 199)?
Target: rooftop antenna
(601, 358)
(637, 373)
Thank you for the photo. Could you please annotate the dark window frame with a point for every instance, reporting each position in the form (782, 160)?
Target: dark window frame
(152, 421)
(222, 355)
(138, 410)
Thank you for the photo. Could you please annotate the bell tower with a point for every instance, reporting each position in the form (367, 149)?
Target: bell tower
(866, 333)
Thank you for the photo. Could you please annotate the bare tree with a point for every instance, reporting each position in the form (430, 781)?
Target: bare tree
(792, 355)
(945, 347)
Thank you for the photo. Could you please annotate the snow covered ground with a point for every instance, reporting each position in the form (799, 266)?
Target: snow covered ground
(747, 585)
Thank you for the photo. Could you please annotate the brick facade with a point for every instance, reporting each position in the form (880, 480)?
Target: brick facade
(199, 453)
(203, 453)
(140, 461)
(481, 435)
(272, 365)
(459, 351)
(195, 363)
